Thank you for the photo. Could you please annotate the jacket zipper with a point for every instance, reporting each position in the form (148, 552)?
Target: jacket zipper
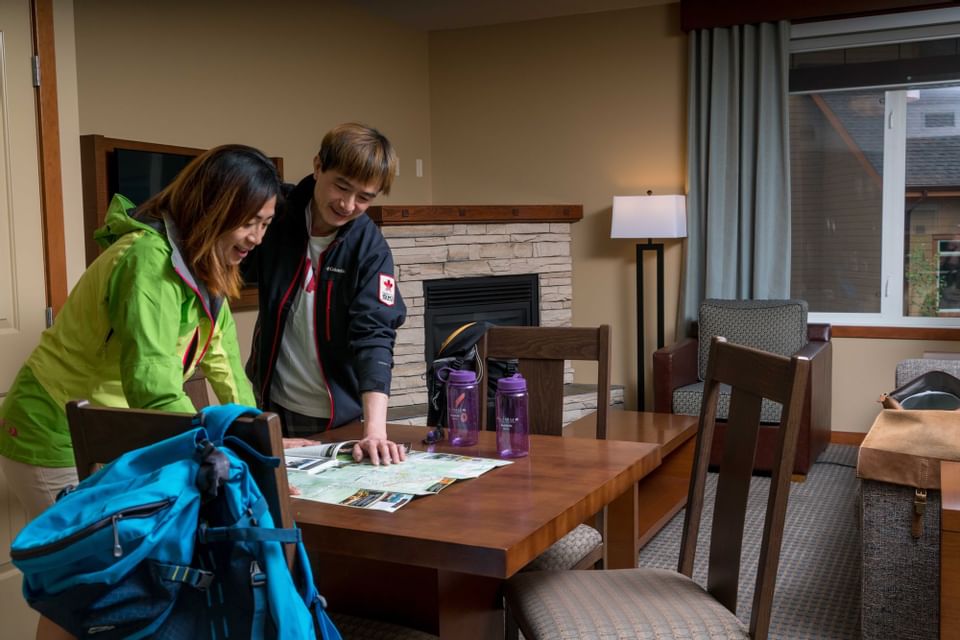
(141, 511)
(278, 329)
(329, 297)
(206, 310)
(191, 350)
(326, 329)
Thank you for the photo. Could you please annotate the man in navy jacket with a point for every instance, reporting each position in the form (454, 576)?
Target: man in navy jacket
(329, 302)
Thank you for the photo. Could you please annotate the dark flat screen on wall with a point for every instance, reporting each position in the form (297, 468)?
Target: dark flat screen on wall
(139, 175)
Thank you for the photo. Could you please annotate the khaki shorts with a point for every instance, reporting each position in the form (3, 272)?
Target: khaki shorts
(36, 487)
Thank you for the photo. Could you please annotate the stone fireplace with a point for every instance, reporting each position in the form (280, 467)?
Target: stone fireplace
(428, 252)
(434, 243)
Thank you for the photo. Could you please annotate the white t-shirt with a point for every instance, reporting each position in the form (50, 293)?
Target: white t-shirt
(303, 388)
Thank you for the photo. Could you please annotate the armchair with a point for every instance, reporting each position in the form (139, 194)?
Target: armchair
(778, 326)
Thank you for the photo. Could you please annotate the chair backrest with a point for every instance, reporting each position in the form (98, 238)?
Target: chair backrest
(753, 375)
(101, 434)
(907, 370)
(776, 326)
(541, 352)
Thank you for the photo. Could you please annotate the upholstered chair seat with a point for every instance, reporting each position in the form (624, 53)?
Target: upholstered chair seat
(622, 604)
(567, 551)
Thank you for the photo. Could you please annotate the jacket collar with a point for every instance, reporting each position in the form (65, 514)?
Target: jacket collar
(168, 229)
(301, 196)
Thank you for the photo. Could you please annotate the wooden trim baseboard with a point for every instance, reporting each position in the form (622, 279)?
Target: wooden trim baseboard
(847, 437)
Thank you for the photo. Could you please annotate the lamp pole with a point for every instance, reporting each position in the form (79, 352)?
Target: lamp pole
(641, 368)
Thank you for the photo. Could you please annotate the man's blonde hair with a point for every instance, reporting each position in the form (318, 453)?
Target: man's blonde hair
(360, 153)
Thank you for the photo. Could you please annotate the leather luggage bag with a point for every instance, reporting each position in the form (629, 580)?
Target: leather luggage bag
(899, 468)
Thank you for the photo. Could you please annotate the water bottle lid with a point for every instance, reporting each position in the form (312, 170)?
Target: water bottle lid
(461, 376)
(512, 384)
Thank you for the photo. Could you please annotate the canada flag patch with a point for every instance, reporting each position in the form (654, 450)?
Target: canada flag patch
(388, 289)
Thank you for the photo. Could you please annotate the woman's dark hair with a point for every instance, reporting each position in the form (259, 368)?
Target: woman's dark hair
(216, 193)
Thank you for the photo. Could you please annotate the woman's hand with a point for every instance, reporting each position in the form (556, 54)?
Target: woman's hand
(293, 443)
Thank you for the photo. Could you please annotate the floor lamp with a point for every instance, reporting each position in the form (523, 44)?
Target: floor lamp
(648, 217)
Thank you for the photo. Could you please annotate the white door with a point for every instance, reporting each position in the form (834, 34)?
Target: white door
(22, 292)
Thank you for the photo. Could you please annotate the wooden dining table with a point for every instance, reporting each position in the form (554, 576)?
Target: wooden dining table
(439, 562)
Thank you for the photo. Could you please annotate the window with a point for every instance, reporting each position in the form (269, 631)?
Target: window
(948, 275)
(875, 182)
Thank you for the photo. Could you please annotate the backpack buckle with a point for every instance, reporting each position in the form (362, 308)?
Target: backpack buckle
(204, 580)
(257, 577)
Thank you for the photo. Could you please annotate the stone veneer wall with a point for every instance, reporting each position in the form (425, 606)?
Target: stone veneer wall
(429, 252)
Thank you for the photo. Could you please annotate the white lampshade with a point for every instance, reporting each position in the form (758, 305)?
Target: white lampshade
(649, 217)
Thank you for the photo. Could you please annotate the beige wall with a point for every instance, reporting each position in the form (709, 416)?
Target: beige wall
(273, 75)
(573, 109)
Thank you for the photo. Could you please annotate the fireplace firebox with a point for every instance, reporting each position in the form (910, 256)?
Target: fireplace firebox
(451, 302)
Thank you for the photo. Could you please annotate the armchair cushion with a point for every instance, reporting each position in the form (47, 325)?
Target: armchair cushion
(777, 326)
(686, 402)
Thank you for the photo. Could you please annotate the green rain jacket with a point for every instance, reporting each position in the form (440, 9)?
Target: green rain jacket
(132, 330)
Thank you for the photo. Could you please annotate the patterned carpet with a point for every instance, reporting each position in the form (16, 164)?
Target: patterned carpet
(818, 583)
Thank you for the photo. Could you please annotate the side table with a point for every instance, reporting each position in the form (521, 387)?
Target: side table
(664, 491)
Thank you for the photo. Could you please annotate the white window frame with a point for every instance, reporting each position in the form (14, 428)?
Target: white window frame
(902, 27)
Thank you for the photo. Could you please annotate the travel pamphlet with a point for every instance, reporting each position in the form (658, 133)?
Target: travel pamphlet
(328, 473)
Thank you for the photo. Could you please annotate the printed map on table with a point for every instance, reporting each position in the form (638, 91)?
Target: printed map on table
(327, 473)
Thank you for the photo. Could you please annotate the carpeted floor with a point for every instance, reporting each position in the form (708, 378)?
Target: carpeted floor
(818, 583)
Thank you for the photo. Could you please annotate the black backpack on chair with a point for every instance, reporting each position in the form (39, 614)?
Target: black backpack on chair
(460, 351)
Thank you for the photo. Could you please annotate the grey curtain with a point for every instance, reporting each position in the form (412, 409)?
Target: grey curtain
(738, 201)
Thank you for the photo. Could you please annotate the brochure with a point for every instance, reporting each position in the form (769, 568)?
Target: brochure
(328, 473)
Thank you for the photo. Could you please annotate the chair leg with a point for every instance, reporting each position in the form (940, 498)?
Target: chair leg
(510, 629)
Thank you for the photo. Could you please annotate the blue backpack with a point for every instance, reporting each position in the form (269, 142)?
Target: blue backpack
(173, 540)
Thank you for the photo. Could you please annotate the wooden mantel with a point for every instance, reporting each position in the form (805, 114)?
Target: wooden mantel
(392, 215)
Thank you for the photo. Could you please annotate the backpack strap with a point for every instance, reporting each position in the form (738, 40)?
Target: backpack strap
(218, 418)
(258, 580)
(248, 534)
(197, 578)
(303, 577)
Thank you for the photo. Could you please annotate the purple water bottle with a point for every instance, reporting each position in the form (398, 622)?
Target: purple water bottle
(513, 432)
(463, 416)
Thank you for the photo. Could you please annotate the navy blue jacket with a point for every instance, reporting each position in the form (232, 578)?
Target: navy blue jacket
(356, 323)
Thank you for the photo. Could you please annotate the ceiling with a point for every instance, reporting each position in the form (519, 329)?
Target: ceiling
(433, 15)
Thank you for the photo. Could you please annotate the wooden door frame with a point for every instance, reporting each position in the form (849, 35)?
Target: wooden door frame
(48, 145)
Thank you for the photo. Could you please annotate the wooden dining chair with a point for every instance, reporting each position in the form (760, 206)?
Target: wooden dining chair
(542, 353)
(101, 434)
(654, 602)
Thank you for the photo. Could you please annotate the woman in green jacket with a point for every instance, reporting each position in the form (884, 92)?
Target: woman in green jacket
(144, 315)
